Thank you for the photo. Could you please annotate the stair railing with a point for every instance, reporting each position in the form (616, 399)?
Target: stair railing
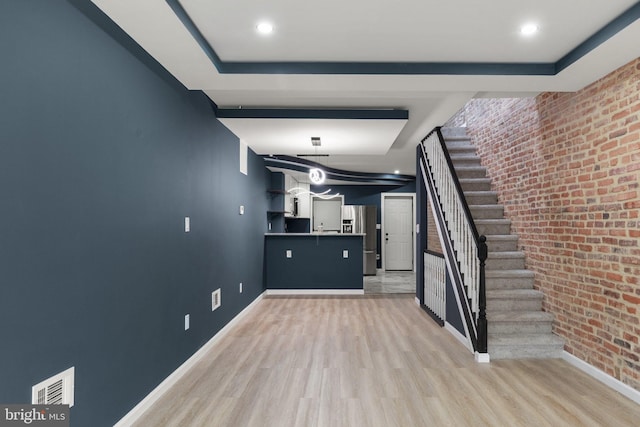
(435, 285)
(465, 249)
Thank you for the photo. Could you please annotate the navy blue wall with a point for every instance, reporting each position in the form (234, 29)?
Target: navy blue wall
(317, 262)
(369, 195)
(452, 310)
(102, 155)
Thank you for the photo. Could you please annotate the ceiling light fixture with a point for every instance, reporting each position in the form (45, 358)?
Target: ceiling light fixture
(396, 171)
(529, 29)
(316, 175)
(265, 28)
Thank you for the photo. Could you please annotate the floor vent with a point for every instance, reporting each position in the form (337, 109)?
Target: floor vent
(215, 299)
(57, 390)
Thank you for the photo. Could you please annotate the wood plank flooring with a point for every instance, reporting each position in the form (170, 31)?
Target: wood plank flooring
(373, 361)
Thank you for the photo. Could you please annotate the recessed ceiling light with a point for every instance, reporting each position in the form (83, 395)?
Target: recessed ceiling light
(265, 28)
(396, 172)
(529, 29)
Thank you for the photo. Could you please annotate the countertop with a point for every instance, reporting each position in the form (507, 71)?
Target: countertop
(324, 234)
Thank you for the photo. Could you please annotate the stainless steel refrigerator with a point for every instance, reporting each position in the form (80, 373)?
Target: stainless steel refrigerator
(363, 219)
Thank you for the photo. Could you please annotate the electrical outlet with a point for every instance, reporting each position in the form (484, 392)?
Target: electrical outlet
(186, 322)
(241, 210)
(289, 253)
(216, 299)
(240, 287)
(345, 253)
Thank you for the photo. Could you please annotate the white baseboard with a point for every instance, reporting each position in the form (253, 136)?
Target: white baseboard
(418, 301)
(456, 333)
(315, 291)
(603, 377)
(133, 415)
(482, 357)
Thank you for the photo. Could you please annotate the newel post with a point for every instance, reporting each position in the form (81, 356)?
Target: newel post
(482, 298)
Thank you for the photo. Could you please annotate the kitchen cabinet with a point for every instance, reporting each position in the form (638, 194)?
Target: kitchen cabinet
(296, 191)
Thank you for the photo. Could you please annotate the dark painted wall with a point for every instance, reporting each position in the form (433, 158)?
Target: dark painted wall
(102, 155)
(316, 262)
(452, 310)
(367, 195)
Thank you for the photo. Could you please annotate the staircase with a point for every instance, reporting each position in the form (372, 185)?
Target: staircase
(518, 328)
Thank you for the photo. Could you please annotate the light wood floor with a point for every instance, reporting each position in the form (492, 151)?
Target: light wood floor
(373, 361)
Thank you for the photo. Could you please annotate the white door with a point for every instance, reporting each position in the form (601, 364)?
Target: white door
(398, 230)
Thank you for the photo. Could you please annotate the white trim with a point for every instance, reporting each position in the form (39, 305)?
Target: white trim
(315, 292)
(456, 333)
(482, 357)
(146, 403)
(418, 301)
(603, 377)
(383, 196)
(244, 149)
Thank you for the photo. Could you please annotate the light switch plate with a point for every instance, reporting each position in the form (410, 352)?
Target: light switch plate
(289, 253)
(241, 210)
(187, 224)
(186, 322)
(240, 287)
(345, 253)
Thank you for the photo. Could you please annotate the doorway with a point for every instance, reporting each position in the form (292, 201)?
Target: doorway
(398, 238)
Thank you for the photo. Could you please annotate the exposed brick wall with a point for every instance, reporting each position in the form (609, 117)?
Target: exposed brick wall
(433, 240)
(567, 168)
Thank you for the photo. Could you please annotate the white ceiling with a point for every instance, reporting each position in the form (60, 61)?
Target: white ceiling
(293, 136)
(468, 31)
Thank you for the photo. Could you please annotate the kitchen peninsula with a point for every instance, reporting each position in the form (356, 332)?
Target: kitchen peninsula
(313, 263)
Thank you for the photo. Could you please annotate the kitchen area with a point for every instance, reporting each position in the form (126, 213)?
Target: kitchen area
(326, 246)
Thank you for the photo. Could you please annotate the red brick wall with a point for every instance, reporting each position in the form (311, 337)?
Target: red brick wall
(567, 168)
(433, 239)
